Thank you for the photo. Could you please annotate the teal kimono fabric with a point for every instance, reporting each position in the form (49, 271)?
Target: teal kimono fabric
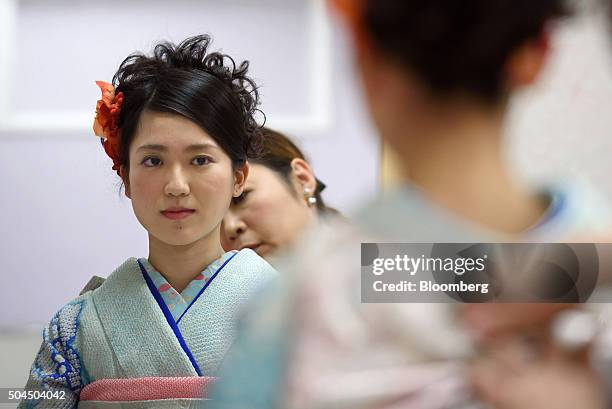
(123, 330)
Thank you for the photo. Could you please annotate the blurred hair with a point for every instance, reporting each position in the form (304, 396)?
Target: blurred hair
(458, 46)
(277, 153)
(186, 79)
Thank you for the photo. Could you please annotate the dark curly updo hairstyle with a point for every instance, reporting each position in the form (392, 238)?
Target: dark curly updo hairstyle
(186, 79)
(458, 45)
(277, 152)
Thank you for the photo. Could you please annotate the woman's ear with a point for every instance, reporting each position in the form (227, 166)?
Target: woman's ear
(303, 174)
(240, 177)
(126, 181)
(527, 62)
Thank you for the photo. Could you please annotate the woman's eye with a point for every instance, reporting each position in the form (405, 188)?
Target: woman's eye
(240, 199)
(201, 160)
(151, 162)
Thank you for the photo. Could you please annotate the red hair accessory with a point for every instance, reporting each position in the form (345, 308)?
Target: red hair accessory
(106, 122)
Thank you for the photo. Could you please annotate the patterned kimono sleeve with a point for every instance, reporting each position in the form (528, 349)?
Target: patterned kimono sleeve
(57, 368)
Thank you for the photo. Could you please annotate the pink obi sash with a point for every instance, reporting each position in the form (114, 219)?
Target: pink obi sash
(147, 389)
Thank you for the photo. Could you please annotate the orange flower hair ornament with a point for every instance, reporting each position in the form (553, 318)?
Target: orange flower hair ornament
(107, 119)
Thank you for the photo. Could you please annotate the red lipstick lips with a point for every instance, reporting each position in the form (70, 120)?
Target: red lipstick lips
(177, 213)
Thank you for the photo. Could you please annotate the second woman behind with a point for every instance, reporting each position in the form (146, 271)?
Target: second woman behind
(281, 198)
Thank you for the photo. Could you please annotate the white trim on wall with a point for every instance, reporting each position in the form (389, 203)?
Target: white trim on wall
(8, 16)
(75, 122)
(321, 71)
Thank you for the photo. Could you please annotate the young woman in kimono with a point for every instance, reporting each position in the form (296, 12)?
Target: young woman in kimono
(179, 126)
(280, 200)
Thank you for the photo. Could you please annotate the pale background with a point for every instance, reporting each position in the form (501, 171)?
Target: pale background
(63, 218)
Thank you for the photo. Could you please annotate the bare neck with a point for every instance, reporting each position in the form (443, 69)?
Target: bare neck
(459, 163)
(181, 264)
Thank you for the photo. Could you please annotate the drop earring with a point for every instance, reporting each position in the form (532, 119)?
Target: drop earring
(311, 200)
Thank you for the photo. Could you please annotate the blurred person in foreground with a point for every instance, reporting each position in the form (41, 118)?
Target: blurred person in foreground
(281, 199)
(511, 376)
(437, 77)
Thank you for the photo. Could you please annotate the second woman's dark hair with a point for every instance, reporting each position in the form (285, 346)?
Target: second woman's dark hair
(186, 79)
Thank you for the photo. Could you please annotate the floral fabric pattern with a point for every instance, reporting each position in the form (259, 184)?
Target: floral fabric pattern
(177, 302)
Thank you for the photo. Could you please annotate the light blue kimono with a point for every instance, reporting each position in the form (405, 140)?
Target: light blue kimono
(124, 329)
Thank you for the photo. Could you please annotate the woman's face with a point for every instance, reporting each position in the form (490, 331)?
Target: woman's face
(180, 181)
(269, 215)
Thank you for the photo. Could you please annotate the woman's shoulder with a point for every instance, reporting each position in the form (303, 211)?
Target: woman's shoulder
(66, 322)
(61, 331)
(96, 282)
(253, 262)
